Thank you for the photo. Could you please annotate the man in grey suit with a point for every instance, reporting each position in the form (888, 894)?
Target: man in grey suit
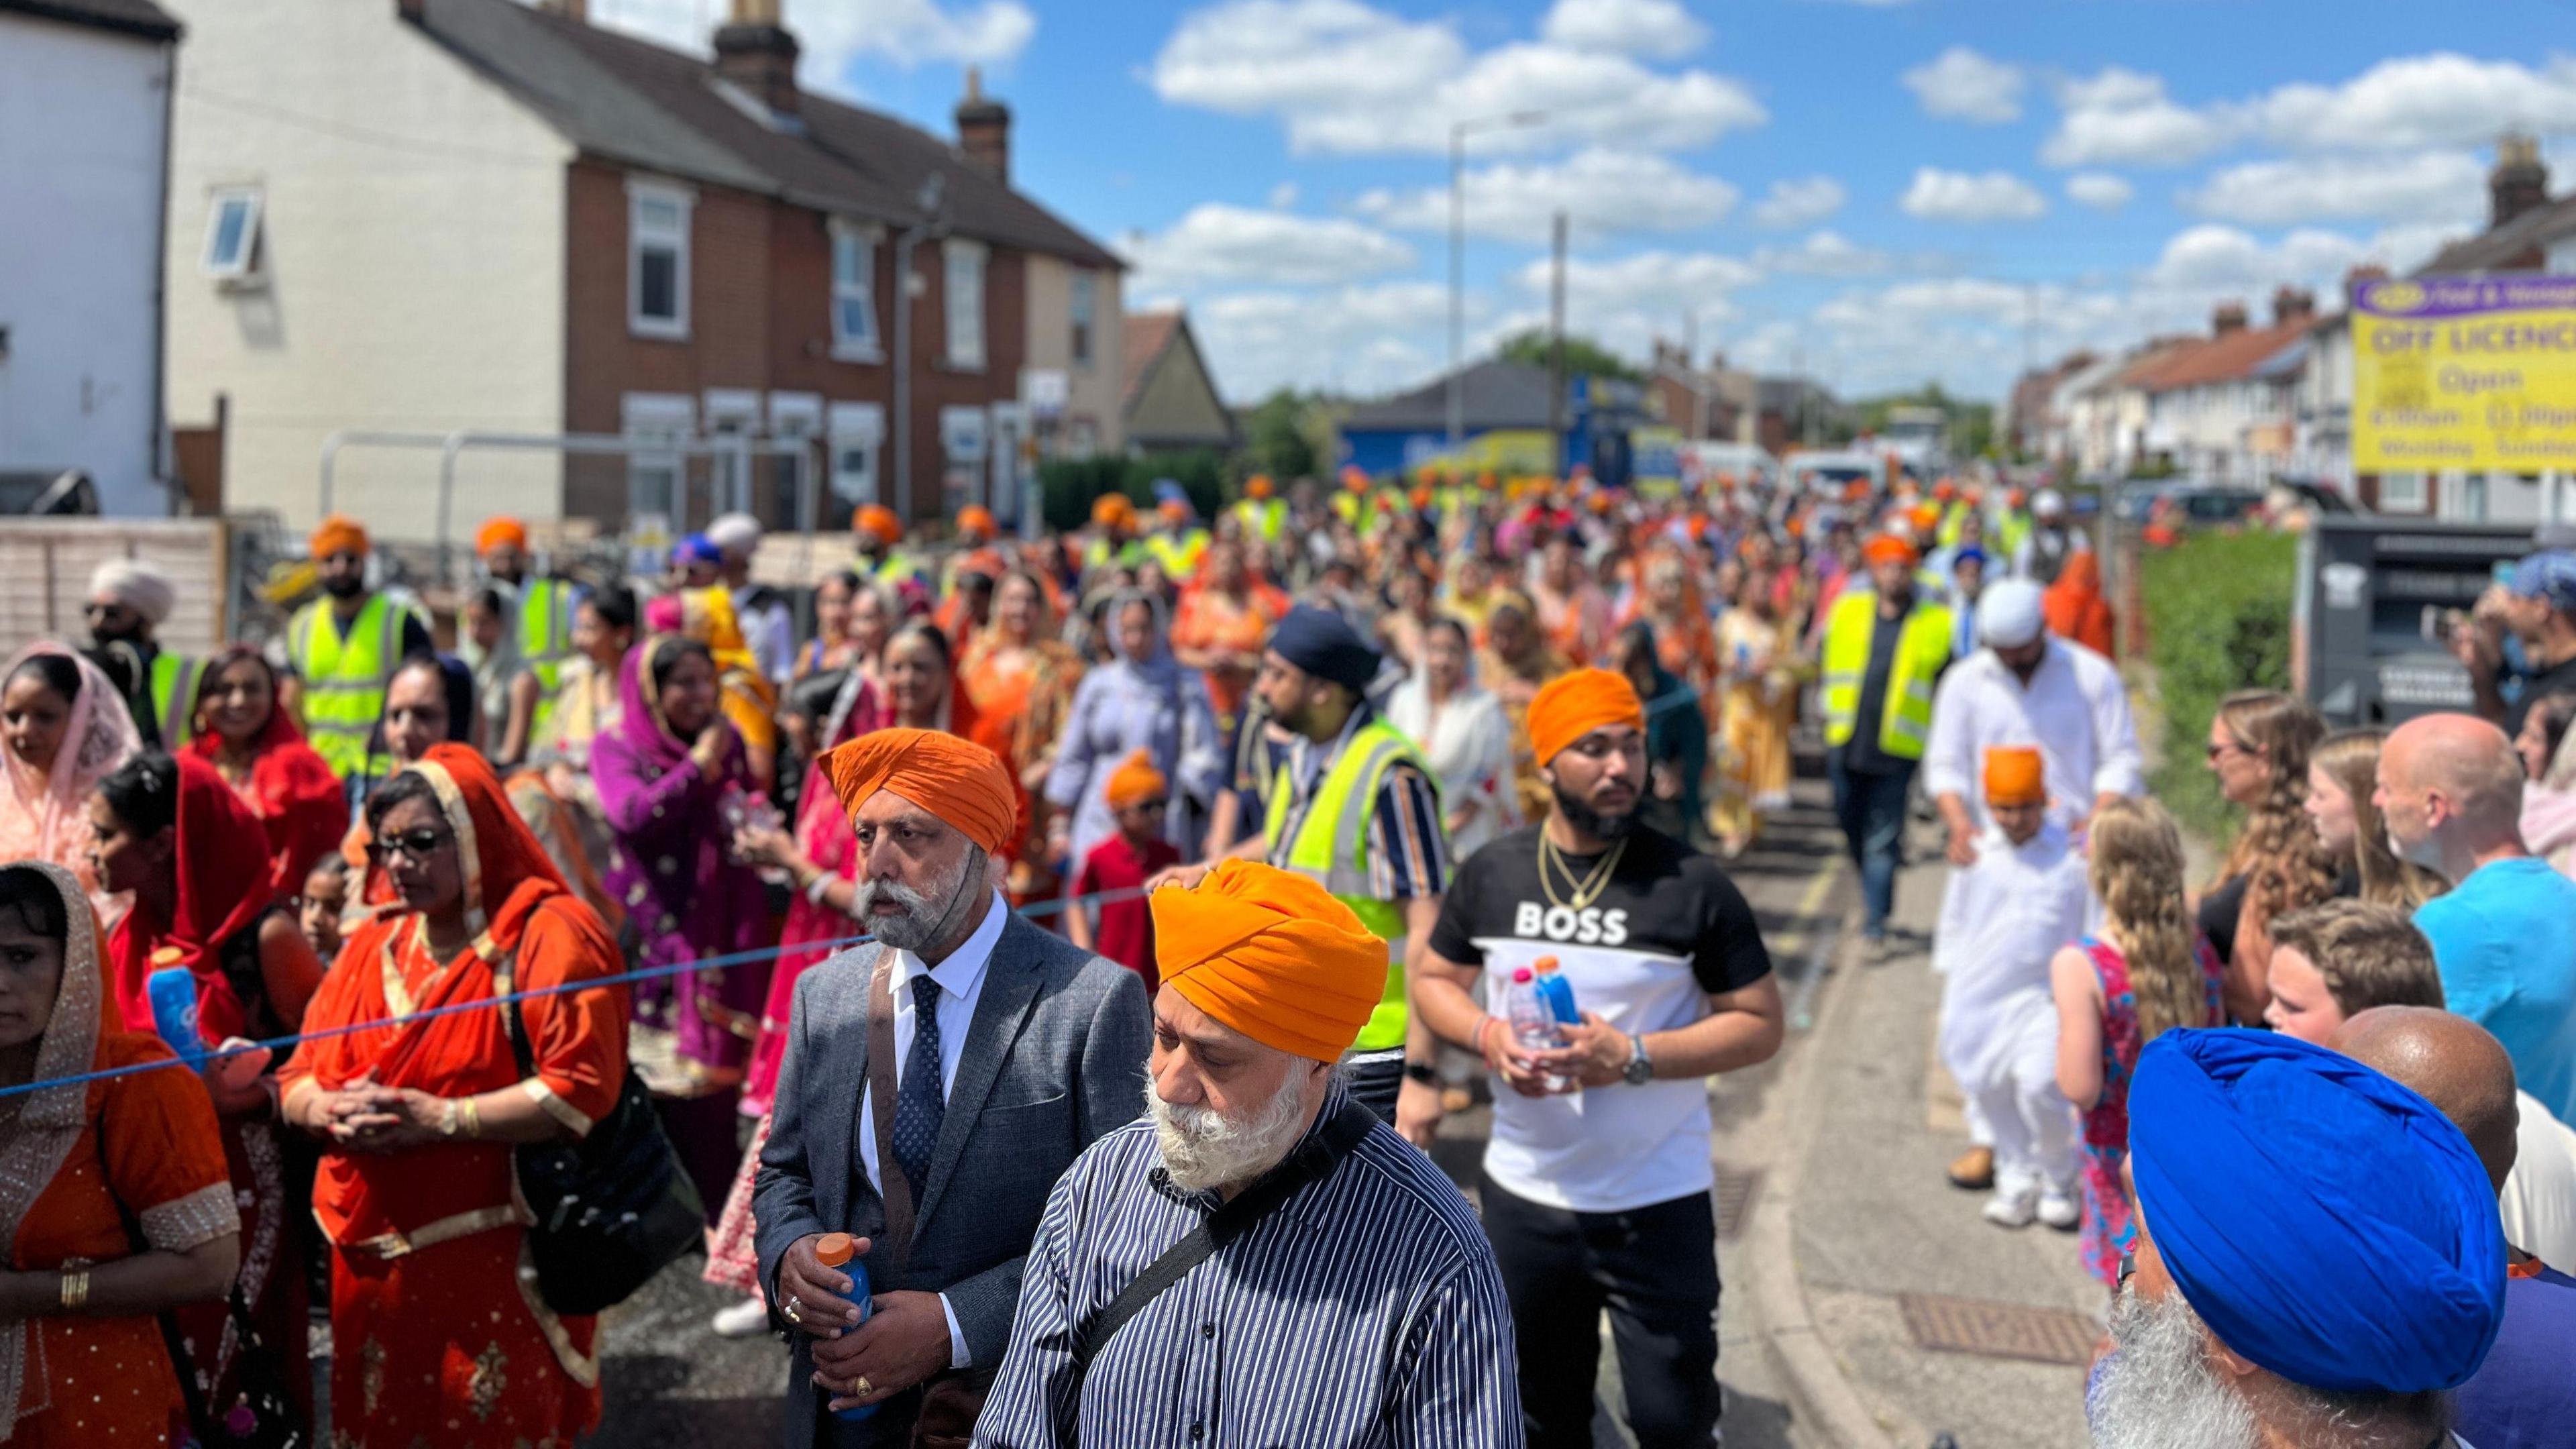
(1012, 1051)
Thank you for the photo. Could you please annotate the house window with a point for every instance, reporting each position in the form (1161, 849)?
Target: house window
(1086, 305)
(856, 433)
(795, 421)
(854, 302)
(232, 235)
(733, 416)
(965, 295)
(657, 260)
(2401, 492)
(655, 479)
(964, 443)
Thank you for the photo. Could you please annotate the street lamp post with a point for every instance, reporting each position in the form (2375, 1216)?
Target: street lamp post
(1458, 131)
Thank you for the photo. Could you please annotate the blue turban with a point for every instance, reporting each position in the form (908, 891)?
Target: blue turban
(697, 548)
(2326, 1223)
(1968, 553)
(1324, 645)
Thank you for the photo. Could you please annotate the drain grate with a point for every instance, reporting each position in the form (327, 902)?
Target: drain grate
(1998, 1330)
(1735, 1194)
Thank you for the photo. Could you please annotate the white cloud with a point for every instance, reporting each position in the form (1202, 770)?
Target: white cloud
(1801, 201)
(1216, 242)
(2099, 189)
(1345, 77)
(2124, 117)
(835, 33)
(2440, 99)
(1938, 195)
(1962, 85)
(1283, 196)
(1825, 254)
(1658, 28)
(1602, 192)
(1358, 340)
(2213, 256)
(2423, 185)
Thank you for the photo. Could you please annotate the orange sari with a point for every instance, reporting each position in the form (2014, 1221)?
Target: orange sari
(436, 1336)
(1021, 695)
(1209, 621)
(75, 1163)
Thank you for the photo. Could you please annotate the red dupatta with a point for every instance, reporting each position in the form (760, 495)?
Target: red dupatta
(220, 860)
(298, 800)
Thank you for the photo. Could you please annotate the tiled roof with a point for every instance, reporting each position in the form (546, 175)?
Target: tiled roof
(1492, 394)
(135, 17)
(1144, 337)
(631, 101)
(2217, 359)
(2506, 245)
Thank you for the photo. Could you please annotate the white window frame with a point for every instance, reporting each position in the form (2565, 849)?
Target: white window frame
(796, 417)
(658, 415)
(733, 419)
(856, 429)
(847, 346)
(242, 263)
(2402, 493)
(641, 234)
(1082, 344)
(962, 293)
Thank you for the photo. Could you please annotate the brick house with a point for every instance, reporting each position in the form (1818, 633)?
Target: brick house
(483, 215)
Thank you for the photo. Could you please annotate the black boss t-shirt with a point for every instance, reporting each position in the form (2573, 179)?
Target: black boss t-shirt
(1663, 899)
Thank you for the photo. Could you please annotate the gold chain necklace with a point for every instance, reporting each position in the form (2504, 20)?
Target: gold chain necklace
(1585, 888)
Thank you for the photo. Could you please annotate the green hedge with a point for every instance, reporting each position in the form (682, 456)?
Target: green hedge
(1068, 485)
(2218, 620)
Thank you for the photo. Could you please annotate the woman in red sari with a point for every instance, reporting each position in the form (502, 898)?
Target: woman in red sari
(437, 1336)
(81, 1356)
(173, 833)
(260, 753)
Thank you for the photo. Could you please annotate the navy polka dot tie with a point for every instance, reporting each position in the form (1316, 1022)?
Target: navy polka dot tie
(918, 1101)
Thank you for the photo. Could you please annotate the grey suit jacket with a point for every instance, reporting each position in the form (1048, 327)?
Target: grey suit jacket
(1054, 1060)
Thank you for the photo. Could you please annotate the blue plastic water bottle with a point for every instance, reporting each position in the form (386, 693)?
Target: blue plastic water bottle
(173, 990)
(1557, 992)
(839, 1250)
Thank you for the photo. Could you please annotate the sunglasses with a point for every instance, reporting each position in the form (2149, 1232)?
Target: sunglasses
(417, 845)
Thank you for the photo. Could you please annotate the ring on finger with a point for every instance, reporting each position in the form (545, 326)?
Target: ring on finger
(793, 1310)
(860, 1388)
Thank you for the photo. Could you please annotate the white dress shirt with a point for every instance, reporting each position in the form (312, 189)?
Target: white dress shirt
(961, 984)
(2075, 709)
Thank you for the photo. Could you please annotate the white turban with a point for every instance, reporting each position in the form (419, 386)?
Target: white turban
(2048, 503)
(735, 534)
(137, 585)
(2008, 614)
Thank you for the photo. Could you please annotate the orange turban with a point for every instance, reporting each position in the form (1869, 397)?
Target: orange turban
(338, 533)
(1945, 490)
(1855, 491)
(1571, 706)
(1355, 480)
(1257, 486)
(1886, 546)
(975, 520)
(498, 531)
(878, 520)
(1113, 510)
(1173, 510)
(1135, 782)
(2015, 498)
(2015, 776)
(957, 780)
(1420, 498)
(1272, 955)
(1924, 515)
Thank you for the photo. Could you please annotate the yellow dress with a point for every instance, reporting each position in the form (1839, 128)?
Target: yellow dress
(1760, 708)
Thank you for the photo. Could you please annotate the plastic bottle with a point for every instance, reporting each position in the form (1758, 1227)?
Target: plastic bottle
(1558, 992)
(173, 992)
(840, 1250)
(1532, 1022)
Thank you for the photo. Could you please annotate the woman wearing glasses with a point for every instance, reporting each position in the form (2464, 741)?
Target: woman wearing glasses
(434, 1331)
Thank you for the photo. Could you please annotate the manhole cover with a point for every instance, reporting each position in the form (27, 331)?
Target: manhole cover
(1735, 1194)
(1998, 1330)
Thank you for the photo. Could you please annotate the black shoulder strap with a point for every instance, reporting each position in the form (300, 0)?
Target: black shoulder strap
(1312, 1162)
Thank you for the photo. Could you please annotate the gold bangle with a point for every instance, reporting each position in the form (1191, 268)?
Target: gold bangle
(473, 1114)
(75, 1290)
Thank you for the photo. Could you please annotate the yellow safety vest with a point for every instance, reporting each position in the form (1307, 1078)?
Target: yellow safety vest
(2008, 536)
(175, 680)
(1922, 649)
(1262, 518)
(1179, 554)
(545, 640)
(1101, 555)
(1954, 524)
(344, 677)
(1331, 849)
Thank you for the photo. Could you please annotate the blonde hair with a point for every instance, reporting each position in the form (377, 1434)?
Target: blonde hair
(2351, 760)
(2367, 955)
(2284, 864)
(2137, 872)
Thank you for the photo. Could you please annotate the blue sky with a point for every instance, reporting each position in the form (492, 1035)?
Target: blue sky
(1879, 192)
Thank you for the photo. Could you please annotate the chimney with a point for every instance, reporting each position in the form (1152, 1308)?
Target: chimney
(2520, 182)
(984, 129)
(415, 11)
(754, 51)
(2230, 317)
(2293, 304)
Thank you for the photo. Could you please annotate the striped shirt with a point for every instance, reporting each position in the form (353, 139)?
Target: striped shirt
(1365, 1311)
(1408, 851)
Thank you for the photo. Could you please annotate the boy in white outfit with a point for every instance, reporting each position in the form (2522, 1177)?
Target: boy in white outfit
(2001, 921)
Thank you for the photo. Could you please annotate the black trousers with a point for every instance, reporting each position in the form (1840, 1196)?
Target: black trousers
(1655, 1269)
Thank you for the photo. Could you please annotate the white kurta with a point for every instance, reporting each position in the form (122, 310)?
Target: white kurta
(2075, 709)
(2001, 921)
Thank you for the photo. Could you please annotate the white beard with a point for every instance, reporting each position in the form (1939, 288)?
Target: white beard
(926, 914)
(2159, 1390)
(1205, 1150)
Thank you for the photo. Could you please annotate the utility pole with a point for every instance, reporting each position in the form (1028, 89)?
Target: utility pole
(1556, 349)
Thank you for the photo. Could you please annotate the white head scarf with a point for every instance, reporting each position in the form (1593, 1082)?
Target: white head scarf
(137, 585)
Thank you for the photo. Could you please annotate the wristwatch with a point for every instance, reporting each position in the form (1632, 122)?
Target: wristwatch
(1641, 1068)
(1421, 1072)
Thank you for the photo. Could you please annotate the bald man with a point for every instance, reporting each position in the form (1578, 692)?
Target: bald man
(2450, 788)
(2525, 1392)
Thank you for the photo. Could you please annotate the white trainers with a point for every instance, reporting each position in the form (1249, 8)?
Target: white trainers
(2059, 1209)
(745, 1319)
(2012, 1207)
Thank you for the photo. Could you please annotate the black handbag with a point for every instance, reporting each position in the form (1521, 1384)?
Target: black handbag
(612, 1208)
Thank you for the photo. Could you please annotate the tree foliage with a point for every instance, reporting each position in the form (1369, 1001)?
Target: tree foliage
(1583, 356)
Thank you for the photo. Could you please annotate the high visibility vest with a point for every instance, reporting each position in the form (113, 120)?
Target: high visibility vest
(1261, 518)
(1179, 554)
(1954, 524)
(1101, 555)
(1351, 508)
(1922, 648)
(175, 680)
(545, 640)
(344, 677)
(1331, 849)
(2009, 532)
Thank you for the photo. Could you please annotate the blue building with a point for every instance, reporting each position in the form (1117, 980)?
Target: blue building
(1506, 425)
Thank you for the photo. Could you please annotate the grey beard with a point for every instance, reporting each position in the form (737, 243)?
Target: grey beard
(1204, 1150)
(928, 916)
(2426, 852)
(2158, 1389)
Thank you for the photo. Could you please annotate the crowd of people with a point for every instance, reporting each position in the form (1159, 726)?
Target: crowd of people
(899, 918)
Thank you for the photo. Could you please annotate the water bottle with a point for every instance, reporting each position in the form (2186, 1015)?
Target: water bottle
(840, 1250)
(1532, 1022)
(173, 991)
(1557, 992)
